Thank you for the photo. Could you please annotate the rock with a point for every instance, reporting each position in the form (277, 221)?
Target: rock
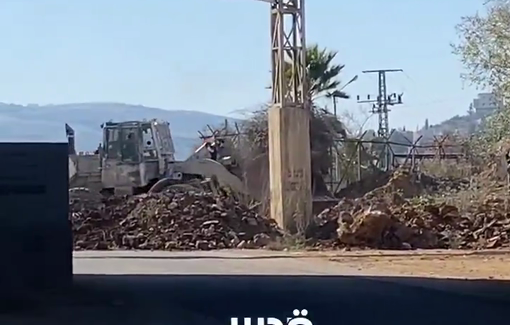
(242, 244)
(261, 240)
(406, 246)
(369, 229)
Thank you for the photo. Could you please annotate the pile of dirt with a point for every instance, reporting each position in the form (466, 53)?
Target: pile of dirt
(357, 189)
(175, 220)
(84, 198)
(401, 180)
(386, 218)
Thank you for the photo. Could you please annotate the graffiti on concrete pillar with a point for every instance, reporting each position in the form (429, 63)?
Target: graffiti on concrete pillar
(294, 179)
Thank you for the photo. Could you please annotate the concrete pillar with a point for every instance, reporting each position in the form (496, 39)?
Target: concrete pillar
(290, 167)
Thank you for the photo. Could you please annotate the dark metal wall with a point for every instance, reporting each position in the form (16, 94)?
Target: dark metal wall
(35, 232)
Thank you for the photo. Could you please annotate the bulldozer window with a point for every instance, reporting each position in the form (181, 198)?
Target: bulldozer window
(149, 148)
(130, 145)
(112, 147)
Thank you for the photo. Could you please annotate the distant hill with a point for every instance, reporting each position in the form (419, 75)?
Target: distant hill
(46, 123)
(460, 124)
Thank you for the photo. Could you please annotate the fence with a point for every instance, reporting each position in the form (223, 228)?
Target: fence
(354, 157)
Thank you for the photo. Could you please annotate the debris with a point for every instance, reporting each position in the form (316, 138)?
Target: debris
(399, 214)
(175, 220)
(391, 217)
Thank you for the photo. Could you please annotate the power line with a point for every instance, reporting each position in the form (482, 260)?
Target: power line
(380, 106)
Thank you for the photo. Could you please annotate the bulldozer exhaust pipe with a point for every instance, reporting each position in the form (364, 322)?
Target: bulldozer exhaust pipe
(70, 139)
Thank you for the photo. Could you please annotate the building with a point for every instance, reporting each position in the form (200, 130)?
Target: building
(486, 103)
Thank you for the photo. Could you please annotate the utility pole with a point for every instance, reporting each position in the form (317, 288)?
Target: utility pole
(289, 119)
(338, 93)
(334, 106)
(335, 95)
(380, 106)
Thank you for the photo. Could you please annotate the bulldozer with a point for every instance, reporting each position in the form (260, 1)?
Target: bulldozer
(137, 157)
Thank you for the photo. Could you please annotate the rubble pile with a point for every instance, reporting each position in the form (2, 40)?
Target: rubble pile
(410, 184)
(399, 214)
(357, 189)
(83, 198)
(386, 218)
(175, 220)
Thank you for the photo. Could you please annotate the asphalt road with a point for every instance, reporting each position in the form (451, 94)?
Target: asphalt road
(111, 289)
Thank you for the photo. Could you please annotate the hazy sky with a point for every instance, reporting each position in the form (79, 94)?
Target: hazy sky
(213, 55)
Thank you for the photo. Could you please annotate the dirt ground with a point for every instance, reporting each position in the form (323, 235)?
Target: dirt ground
(437, 264)
(493, 264)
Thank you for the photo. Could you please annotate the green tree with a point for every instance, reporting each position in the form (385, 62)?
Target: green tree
(484, 50)
(484, 47)
(323, 73)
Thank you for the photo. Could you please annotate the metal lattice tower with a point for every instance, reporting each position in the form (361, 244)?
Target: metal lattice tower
(382, 110)
(288, 46)
(382, 102)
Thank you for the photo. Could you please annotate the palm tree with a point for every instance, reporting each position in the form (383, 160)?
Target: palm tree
(323, 81)
(323, 73)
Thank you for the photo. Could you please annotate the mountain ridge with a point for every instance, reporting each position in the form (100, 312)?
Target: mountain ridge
(46, 123)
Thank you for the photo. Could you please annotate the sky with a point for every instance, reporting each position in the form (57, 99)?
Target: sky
(213, 55)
